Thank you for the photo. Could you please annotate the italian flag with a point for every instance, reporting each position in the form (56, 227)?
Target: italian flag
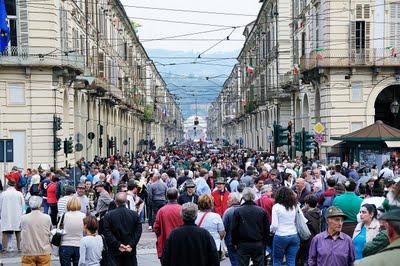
(249, 69)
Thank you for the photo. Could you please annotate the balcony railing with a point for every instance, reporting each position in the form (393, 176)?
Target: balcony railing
(345, 58)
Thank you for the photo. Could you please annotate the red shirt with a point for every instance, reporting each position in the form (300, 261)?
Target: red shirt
(220, 201)
(14, 176)
(266, 203)
(51, 193)
(167, 219)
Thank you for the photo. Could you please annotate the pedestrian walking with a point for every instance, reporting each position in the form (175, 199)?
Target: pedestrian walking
(35, 235)
(190, 194)
(220, 197)
(167, 219)
(122, 231)
(157, 198)
(332, 246)
(286, 241)
(91, 245)
(190, 244)
(250, 230)
(11, 210)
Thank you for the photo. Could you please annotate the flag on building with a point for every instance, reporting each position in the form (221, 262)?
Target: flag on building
(249, 69)
(296, 70)
(4, 29)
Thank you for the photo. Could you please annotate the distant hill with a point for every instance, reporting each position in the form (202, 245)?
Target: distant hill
(191, 78)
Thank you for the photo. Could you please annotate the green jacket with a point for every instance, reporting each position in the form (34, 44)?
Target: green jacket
(379, 242)
(389, 256)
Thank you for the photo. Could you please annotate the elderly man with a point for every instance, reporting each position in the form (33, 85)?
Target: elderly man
(250, 230)
(390, 254)
(220, 197)
(332, 247)
(301, 191)
(122, 231)
(234, 203)
(273, 180)
(190, 194)
(11, 210)
(190, 244)
(167, 219)
(36, 226)
(266, 201)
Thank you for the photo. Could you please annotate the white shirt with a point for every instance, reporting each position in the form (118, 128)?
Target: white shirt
(283, 221)
(387, 173)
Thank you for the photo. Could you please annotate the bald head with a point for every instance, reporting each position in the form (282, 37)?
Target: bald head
(120, 199)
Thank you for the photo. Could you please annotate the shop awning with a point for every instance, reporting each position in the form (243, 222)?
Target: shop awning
(393, 144)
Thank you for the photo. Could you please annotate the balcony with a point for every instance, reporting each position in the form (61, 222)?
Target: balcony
(24, 56)
(345, 58)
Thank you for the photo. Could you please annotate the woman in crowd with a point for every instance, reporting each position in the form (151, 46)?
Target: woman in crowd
(286, 241)
(52, 198)
(73, 233)
(91, 246)
(209, 220)
(288, 180)
(366, 230)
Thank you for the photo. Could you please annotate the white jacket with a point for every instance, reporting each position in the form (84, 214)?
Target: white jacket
(11, 209)
(372, 230)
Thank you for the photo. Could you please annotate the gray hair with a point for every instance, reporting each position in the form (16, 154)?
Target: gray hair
(35, 202)
(266, 189)
(234, 197)
(248, 194)
(189, 212)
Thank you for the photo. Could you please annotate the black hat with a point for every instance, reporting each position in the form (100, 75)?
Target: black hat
(391, 215)
(69, 190)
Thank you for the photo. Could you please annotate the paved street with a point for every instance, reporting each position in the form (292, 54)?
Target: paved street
(147, 255)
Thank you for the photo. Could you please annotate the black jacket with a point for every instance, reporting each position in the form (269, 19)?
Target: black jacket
(190, 245)
(122, 226)
(184, 198)
(250, 225)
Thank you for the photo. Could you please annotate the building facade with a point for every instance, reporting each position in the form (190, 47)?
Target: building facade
(79, 61)
(310, 61)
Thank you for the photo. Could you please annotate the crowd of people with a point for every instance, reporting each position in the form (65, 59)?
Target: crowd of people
(204, 207)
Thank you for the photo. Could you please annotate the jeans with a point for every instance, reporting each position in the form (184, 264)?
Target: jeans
(155, 206)
(53, 213)
(45, 206)
(233, 255)
(253, 251)
(285, 246)
(68, 254)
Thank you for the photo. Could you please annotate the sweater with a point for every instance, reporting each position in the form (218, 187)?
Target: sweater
(35, 234)
(73, 228)
(90, 250)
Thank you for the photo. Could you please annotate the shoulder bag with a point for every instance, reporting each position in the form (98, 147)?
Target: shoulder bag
(57, 237)
(301, 226)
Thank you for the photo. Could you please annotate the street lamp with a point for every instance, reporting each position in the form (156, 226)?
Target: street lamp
(394, 107)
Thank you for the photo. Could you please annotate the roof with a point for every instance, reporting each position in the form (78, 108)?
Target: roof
(375, 132)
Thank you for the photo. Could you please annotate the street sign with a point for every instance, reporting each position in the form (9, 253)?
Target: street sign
(319, 128)
(319, 138)
(6, 150)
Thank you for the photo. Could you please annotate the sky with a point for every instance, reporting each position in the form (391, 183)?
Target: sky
(151, 29)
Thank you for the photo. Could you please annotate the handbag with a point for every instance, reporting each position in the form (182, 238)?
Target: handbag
(301, 226)
(57, 237)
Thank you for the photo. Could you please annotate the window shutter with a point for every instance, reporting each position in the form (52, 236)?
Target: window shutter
(23, 26)
(352, 40)
(367, 11)
(359, 12)
(101, 64)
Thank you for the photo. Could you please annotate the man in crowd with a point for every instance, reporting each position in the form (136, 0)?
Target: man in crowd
(258, 184)
(301, 191)
(35, 235)
(189, 195)
(247, 178)
(220, 197)
(339, 178)
(266, 201)
(14, 175)
(332, 247)
(201, 183)
(11, 210)
(350, 204)
(234, 203)
(157, 191)
(122, 231)
(250, 230)
(80, 193)
(273, 180)
(167, 219)
(190, 244)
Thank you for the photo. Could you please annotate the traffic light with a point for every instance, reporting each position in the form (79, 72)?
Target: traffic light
(112, 143)
(57, 144)
(68, 146)
(298, 142)
(57, 123)
(308, 141)
(280, 135)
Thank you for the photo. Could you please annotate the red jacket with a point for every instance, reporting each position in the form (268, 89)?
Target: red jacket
(220, 202)
(16, 176)
(167, 219)
(266, 203)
